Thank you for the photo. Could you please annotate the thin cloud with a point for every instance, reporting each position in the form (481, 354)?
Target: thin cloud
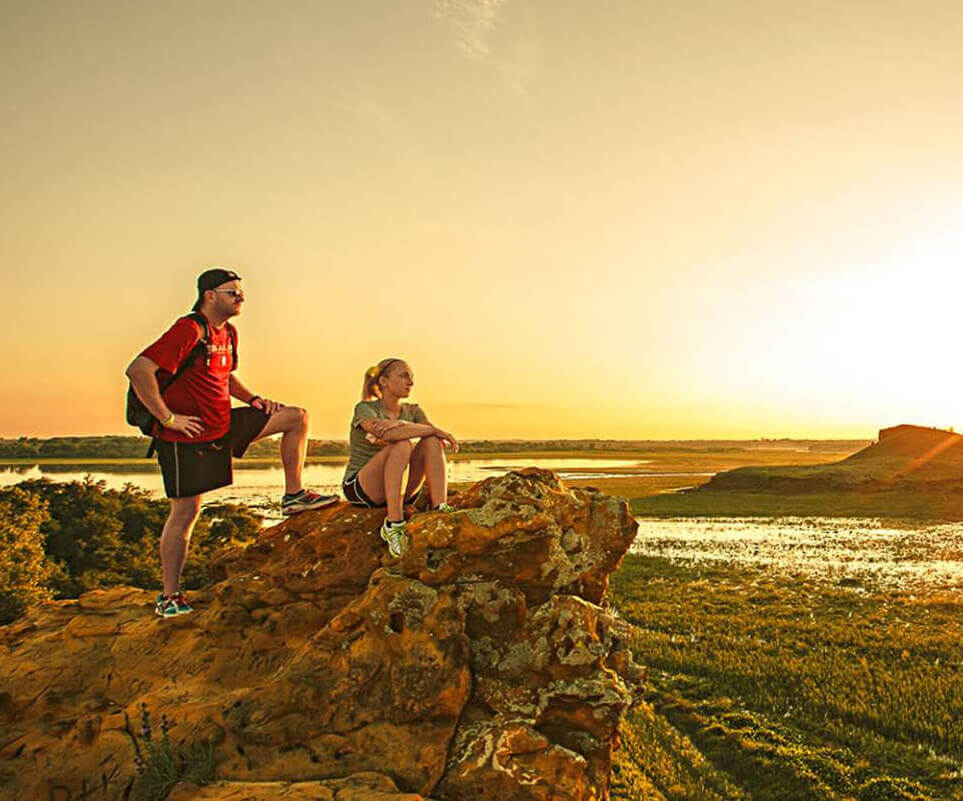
(471, 22)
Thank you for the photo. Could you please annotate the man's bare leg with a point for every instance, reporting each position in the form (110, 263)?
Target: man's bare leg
(292, 423)
(175, 539)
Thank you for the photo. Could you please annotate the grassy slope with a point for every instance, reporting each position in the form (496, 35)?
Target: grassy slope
(913, 473)
(943, 502)
(772, 688)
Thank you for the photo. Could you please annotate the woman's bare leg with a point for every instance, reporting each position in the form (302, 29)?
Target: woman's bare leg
(428, 462)
(399, 455)
(381, 478)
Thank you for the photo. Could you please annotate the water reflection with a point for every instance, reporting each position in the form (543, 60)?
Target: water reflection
(261, 486)
(831, 548)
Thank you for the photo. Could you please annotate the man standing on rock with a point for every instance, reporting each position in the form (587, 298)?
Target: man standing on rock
(196, 431)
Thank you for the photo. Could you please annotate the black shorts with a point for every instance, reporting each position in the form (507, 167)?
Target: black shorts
(192, 468)
(356, 496)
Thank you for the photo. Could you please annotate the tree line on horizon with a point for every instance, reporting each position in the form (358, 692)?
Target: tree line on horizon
(135, 447)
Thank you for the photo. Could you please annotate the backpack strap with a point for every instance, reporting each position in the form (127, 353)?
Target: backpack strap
(233, 334)
(198, 349)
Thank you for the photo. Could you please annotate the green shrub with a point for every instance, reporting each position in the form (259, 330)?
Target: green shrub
(24, 570)
(61, 539)
(161, 763)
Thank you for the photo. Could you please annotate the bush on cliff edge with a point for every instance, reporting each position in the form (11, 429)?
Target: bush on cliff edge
(24, 570)
(61, 539)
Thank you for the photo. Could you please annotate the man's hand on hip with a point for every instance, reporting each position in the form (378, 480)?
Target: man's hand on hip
(186, 424)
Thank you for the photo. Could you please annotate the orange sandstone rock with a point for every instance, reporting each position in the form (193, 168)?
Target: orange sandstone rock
(478, 666)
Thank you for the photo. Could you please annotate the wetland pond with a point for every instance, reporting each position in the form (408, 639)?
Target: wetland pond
(260, 486)
(848, 551)
(854, 551)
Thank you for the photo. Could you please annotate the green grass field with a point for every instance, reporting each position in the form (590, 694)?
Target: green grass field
(783, 687)
(933, 503)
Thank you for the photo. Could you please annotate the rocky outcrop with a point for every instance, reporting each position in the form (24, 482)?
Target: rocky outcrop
(477, 666)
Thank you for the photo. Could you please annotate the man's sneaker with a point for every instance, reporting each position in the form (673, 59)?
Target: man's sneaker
(165, 607)
(394, 535)
(304, 500)
(442, 507)
(173, 606)
(180, 603)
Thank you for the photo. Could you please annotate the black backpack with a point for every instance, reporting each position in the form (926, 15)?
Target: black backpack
(137, 414)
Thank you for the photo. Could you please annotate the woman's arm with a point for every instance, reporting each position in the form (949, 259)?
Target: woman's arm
(410, 431)
(397, 432)
(444, 436)
(380, 426)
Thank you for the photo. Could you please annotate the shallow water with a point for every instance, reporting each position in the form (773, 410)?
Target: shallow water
(836, 549)
(261, 486)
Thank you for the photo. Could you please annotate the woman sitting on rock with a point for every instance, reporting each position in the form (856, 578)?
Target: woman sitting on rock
(381, 449)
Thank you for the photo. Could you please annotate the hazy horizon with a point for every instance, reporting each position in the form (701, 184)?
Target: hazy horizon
(622, 220)
(501, 439)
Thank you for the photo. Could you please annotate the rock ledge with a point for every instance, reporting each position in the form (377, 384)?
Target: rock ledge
(477, 666)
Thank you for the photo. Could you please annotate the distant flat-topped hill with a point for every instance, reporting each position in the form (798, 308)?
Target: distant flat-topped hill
(903, 453)
(910, 471)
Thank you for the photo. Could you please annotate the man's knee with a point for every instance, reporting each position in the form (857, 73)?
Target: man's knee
(185, 511)
(299, 419)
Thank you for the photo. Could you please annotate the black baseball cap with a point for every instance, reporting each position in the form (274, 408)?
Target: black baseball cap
(211, 279)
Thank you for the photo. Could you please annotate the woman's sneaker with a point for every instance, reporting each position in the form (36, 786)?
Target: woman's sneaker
(304, 501)
(172, 606)
(394, 535)
(442, 507)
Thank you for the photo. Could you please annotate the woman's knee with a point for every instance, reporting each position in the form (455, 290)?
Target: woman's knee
(402, 447)
(431, 448)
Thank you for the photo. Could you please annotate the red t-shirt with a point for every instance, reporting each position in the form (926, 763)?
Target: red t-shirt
(202, 391)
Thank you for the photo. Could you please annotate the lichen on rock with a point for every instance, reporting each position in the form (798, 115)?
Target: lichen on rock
(477, 666)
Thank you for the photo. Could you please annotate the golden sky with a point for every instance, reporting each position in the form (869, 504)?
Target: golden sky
(574, 219)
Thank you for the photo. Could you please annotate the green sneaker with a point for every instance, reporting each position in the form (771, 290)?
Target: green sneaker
(180, 603)
(173, 606)
(443, 507)
(394, 535)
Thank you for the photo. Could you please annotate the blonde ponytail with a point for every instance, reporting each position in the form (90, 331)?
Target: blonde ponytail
(370, 389)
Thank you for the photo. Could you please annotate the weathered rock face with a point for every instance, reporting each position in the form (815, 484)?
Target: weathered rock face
(477, 666)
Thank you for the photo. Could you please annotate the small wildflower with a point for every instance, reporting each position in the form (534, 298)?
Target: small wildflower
(145, 728)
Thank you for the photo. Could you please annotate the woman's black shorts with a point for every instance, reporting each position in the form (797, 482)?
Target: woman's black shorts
(192, 468)
(356, 496)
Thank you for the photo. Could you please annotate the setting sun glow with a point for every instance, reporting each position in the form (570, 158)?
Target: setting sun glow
(622, 220)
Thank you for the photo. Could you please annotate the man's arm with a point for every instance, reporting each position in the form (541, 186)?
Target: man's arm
(142, 373)
(244, 395)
